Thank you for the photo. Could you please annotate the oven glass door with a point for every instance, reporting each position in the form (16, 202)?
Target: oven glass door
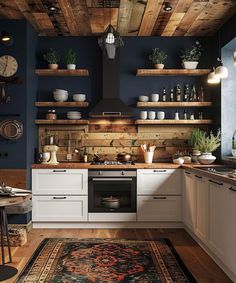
(121, 189)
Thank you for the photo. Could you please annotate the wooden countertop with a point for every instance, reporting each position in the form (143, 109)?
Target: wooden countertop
(89, 166)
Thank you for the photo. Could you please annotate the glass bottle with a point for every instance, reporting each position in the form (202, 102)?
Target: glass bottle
(186, 92)
(201, 95)
(172, 95)
(185, 115)
(178, 93)
(176, 114)
(164, 95)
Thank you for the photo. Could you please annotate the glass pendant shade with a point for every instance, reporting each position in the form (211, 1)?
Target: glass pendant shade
(212, 78)
(109, 41)
(221, 72)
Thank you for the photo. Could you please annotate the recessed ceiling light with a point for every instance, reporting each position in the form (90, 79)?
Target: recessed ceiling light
(167, 7)
(52, 8)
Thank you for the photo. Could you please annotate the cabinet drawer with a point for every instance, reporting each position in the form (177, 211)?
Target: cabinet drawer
(60, 181)
(159, 208)
(159, 182)
(60, 208)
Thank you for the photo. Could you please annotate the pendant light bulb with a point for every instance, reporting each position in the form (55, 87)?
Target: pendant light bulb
(234, 54)
(212, 78)
(110, 38)
(221, 72)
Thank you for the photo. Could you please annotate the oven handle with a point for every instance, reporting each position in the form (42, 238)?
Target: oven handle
(112, 179)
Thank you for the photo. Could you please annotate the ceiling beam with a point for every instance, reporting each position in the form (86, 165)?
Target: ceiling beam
(150, 16)
(124, 17)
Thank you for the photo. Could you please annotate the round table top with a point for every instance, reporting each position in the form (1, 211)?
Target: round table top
(7, 200)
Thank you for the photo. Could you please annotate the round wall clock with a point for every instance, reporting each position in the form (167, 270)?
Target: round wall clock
(8, 66)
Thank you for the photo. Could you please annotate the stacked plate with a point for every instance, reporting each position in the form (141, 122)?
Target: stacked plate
(73, 115)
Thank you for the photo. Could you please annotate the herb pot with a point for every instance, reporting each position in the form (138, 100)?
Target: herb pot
(53, 66)
(159, 66)
(71, 66)
(206, 158)
(190, 65)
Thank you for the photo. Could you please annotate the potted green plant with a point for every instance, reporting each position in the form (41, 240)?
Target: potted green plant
(191, 56)
(52, 57)
(158, 58)
(71, 58)
(194, 138)
(207, 144)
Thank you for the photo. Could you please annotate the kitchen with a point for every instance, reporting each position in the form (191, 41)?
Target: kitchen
(118, 153)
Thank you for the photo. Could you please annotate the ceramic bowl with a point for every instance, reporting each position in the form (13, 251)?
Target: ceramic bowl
(60, 96)
(79, 97)
(178, 161)
(143, 98)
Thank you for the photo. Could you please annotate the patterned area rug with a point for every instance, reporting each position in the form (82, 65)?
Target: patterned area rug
(105, 261)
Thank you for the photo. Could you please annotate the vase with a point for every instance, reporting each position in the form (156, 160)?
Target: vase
(206, 158)
(53, 66)
(71, 66)
(148, 156)
(159, 66)
(190, 65)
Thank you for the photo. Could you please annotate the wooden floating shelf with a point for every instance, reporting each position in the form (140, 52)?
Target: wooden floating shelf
(173, 122)
(62, 104)
(62, 72)
(172, 72)
(174, 104)
(61, 122)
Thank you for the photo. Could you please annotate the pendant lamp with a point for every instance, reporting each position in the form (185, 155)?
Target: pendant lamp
(221, 71)
(212, 78)
(109, 41)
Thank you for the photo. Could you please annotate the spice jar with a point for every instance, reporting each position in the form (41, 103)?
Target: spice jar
(51, 115)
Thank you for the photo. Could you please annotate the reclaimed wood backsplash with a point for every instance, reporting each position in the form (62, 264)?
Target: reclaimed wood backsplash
(109, 139)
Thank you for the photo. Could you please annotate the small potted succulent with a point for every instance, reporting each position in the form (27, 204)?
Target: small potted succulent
(158, 58)
(207, 144)
(191, 56)
(52, 57)
(71, 58)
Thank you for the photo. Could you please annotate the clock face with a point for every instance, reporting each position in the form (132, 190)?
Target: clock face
(8, 66)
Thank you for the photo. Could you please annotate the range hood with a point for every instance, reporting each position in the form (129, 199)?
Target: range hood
(111, 106)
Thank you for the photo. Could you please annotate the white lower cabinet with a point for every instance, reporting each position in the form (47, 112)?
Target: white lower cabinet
(189, 197)
(202, 208)
(159, 195)
(159, 208)
(60, 208)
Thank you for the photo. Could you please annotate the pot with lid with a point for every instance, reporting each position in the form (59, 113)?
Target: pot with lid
(111, 202)
(123, 157)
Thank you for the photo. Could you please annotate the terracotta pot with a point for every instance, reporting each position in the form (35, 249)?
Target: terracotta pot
(159, 66)
(53, 66)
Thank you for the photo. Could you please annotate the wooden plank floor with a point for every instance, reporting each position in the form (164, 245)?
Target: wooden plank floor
(197, 261)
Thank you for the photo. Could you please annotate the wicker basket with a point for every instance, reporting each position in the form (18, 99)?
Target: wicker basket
(17, 236)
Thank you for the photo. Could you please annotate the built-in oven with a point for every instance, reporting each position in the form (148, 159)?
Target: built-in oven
(112, 191)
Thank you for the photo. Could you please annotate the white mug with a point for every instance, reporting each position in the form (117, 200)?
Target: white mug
(160, 115)
(143, 115)
(155, 97)
(151, 115)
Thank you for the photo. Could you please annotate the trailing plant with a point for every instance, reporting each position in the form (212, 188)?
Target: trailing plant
(158, 56)
(52, 56)
(195, 137)
(192, 54)
(70, 56)
(209, 143)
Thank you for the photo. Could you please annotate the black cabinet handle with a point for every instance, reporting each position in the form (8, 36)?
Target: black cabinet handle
(59, 171)
(159, 197)
(232, 189)
(159, 171)
(199, 177)
(59, 197)
(187, 173)
(217, 183)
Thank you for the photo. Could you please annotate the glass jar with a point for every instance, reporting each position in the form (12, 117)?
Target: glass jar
(51, 115)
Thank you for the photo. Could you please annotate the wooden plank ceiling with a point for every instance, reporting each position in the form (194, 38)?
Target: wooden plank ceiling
(129, 17)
